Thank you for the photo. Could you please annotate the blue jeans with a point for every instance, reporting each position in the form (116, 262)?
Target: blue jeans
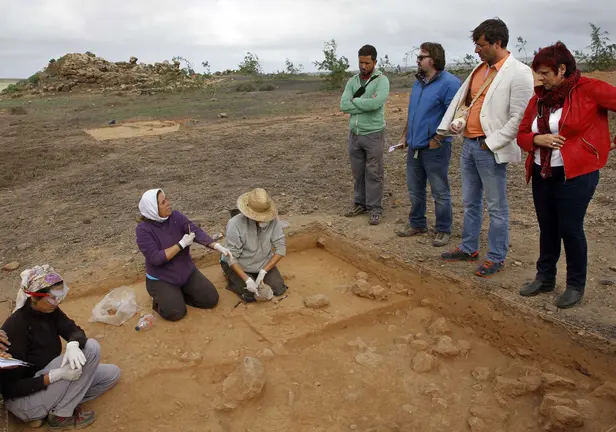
(480, 171)
(431, 165)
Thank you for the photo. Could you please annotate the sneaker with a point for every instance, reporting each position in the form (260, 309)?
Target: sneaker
(356, 211)
(489, 268)
(458, 255)
(409, 231)
(441, 239)
(375, 218)
(79, 420)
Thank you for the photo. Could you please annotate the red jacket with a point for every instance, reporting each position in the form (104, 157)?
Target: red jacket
(584, 124)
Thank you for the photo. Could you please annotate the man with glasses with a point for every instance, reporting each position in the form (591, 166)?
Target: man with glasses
(429, 153)
(487, 111)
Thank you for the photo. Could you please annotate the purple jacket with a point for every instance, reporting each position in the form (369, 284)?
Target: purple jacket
(154, 237)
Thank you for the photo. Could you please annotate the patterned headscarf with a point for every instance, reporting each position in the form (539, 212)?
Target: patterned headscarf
(36, 279)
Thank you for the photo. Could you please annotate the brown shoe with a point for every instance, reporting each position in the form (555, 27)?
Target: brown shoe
(356, 211)
(79, 420)
(441, 239)
(409, 231)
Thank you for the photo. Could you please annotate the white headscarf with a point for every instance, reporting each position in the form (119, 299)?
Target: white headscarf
(148, 206)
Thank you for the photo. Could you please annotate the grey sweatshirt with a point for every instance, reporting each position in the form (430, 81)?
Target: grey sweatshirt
(252, 246)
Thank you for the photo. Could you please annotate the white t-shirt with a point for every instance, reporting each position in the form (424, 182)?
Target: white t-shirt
(557, 159)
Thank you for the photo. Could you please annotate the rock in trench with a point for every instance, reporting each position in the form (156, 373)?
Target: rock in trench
(316, 301)
(246, 382)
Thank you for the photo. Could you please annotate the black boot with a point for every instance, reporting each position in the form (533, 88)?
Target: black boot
(570, 297)
(537, 287)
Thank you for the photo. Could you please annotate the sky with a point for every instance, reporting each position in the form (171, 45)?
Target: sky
(221, 31)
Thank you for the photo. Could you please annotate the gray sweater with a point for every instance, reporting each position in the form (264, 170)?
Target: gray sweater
(252, 246)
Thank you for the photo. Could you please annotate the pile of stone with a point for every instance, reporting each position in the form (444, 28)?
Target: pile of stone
(87, 72)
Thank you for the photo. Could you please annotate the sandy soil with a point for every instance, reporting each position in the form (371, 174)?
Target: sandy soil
(71, 201)
(352, 365)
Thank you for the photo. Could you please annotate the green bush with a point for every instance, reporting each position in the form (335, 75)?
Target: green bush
(245, 87)
(34, 79)
(267, 87)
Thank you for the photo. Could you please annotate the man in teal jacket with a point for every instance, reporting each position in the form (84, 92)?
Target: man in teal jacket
(364, 99)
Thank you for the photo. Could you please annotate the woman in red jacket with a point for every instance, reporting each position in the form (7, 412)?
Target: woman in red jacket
(566, 134)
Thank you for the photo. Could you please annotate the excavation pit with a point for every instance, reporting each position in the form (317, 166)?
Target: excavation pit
(437, 354)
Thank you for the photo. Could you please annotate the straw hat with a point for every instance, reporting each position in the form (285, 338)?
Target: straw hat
(257, 205)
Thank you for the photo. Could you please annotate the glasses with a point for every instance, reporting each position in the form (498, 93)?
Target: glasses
(54, 296)
(421, 57)
(478, 47)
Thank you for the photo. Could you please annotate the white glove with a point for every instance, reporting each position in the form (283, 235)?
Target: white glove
(251, 285)
(64, 373)
(187, 240)
(223, 250)
(73, 356)
(260, 277)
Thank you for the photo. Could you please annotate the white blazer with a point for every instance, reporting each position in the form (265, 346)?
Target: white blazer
(502, 109)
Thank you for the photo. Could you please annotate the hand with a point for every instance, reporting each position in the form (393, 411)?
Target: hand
(64, 373)
(4, 341)
(434, 144)
(260, 277)
(73, 356)
(251, 285)
(456, 127)
(223, 250)
(187, 240)
(484, 146)
(549, 141)
(613, 145)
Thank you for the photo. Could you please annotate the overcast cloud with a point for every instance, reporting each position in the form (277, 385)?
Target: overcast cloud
(221, 32)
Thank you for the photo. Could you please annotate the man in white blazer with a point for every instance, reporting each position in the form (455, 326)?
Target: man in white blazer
(497, 92)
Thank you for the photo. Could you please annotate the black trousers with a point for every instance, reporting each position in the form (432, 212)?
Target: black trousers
(561, 207)
(170, 300)
(273, 278)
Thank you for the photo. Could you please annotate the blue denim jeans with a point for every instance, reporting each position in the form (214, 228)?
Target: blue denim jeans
(481, 172)
(431, 165)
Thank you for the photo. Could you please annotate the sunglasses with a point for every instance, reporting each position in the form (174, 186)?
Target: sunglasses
(421, 57)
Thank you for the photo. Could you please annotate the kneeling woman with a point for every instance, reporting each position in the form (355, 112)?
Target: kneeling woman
(172, 279)
(257, 243)
(55, 385)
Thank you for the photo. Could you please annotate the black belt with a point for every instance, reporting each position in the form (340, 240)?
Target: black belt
(479, 138)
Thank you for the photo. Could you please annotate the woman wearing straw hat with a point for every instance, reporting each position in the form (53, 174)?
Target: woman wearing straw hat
(55, 385)
(257, 243)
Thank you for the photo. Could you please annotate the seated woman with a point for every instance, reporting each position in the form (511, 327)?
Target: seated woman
(55, 385)
(251, 236)
(172, 279)
(566, 133)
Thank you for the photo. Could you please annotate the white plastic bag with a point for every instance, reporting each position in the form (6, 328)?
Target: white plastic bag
(116, 308)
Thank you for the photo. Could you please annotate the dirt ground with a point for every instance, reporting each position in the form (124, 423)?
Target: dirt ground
(404, 363)
(71, 201)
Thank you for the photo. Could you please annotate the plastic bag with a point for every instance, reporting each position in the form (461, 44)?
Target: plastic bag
(116, 308)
